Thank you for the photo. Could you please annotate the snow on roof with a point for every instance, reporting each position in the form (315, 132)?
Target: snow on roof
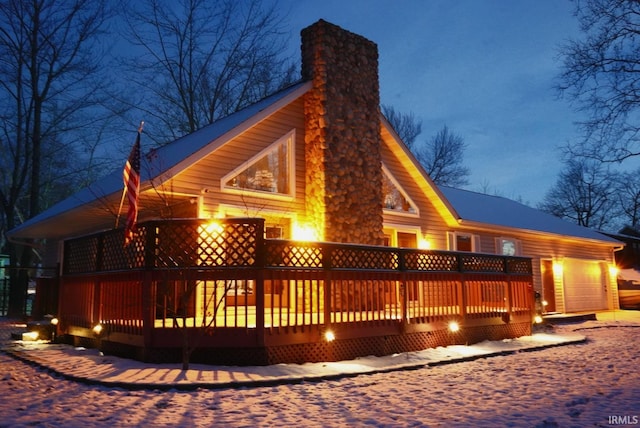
(499, 211)
(630, 275)
(158, 161)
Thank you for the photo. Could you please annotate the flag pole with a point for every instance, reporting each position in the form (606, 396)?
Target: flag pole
(124, 190)
(124, 193)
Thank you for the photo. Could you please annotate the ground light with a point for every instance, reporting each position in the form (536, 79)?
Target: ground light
(454, 326)
(30, 336)
(329, 336)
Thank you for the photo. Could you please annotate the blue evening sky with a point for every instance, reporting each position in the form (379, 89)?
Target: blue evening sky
(484, 68)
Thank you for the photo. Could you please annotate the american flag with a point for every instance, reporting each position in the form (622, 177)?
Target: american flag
(131, 175)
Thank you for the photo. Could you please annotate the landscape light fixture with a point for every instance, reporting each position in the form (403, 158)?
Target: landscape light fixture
(454, 327)
(97, 329)
(329, 336)
(30, 336)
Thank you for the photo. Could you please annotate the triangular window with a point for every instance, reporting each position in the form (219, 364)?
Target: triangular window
(395, 199)
(270, 171)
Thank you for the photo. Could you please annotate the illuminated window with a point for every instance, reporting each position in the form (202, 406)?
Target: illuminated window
(508, 247)
(406, 237)
(269, 172)
(395, 199)
(463, 242)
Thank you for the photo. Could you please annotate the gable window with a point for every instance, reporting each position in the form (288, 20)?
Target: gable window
(269, 172)
(459, 241)
(395, 198)
(508, 247)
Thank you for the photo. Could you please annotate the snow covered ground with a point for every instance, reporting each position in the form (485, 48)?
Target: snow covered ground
(592, 382)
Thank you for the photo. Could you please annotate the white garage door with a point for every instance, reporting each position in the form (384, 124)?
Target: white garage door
(584, 285)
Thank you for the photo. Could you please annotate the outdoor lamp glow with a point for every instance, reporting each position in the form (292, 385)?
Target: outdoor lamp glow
(304, 233)
(97, 329)
(329, 336)
(454, 326)
(557, 268)
(54, 321)
(424, 243)
(537, 319)
(30, 335)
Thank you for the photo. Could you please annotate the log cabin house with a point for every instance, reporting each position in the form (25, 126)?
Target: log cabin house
(303, 229)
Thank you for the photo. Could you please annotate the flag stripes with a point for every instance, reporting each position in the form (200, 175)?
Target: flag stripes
(131, 176)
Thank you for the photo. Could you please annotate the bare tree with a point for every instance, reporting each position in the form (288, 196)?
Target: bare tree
(200, 61)
(627, 193)
(406, 125)
(583, 194)
(600, 76)
(49, 59)
(442, 158)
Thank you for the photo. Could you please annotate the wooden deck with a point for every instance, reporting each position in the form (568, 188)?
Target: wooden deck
(268, 294)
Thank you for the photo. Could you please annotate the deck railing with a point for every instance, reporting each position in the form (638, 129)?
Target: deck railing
(227, 277)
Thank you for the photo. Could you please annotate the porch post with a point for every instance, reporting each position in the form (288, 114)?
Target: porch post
(260, 267)
(148, 291)
(509, 294)
(462, 289)
(402, 268)
(97, 300)
(326, 264)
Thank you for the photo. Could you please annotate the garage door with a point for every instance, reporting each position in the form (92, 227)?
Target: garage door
(584, 285)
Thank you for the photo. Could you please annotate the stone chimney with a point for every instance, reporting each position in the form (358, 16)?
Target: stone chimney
(342, 135)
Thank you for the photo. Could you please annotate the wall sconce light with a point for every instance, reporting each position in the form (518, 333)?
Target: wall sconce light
(423, 243)
(557, 268)
(304, 233)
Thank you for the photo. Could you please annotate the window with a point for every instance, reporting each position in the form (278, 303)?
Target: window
(508, 247)
(459, 241)
(404, 238)
(269, 172)
(277, 225)
(395, 199)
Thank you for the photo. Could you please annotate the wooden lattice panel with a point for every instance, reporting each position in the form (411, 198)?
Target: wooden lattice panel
(81, 255)
(288, 254)
(226, 244)
(481, 263)
(519, 265)
(496, 332)
(175, 244)
(116, 256)
(345, 257)
(430, 261)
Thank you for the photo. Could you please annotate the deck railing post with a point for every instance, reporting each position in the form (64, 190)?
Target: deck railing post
(97, 298)
(327, 265)
(509, 285)
(261, 260)
(403, 292)
(148, 290)
(462, 289)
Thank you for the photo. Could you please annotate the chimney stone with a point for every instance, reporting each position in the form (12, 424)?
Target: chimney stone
(342, 135)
